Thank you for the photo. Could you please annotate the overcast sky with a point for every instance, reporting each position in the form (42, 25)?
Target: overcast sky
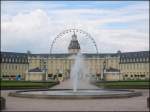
(115, 25)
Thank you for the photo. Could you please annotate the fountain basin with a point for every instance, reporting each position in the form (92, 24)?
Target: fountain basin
(80, 94)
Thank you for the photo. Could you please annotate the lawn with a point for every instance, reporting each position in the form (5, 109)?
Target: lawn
(124, 84)
(26, 84)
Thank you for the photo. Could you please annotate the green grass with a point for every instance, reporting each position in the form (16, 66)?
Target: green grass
(26, 84)
(124, 84)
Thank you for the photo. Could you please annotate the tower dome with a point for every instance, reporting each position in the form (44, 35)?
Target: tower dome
(74, 46)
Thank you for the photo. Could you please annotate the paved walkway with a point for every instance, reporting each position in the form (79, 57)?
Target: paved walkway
(30, 104)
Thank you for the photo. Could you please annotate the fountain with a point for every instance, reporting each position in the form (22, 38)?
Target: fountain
(78, 78)
(76, 93)
(77, 70)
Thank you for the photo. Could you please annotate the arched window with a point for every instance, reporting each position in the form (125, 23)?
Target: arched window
(147, 59)
(16, 67)
(126, 60)
(24, 60)
(133, 59)
(18, 60)
(130, 59)
(141, 59)
(15, 60)
(9, 59)
(3, 60)
(12, 59)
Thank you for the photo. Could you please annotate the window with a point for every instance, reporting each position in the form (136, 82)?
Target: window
(5, 66)
(127, 66)
(12, 66)
(142, 66)
(126, 75)
(131, 60)
(142, 75)
(19, 60)
(135, 59)
(59, 75)
(50, 75)
(16, 60)
(141, 59)
(3, 60)
(137, 66)
(9, 59)
(147, 59)
(130, 66)
(16, 67)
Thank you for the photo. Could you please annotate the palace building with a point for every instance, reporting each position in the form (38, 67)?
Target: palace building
(103, 66)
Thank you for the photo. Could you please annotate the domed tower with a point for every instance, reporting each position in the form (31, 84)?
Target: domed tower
(74, 46)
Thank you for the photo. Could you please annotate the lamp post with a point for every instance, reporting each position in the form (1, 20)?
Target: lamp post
(46, 69)
(104, 66)
(28, 78)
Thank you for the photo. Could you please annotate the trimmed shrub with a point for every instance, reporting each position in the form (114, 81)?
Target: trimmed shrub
(124, 84)
(3, 103)
(148, 104)
(27, 84)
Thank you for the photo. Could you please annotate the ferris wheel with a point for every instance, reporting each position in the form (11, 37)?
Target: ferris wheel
(68, 31)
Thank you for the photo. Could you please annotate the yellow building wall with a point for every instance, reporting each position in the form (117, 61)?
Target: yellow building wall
(112, 77)
(12, 69)
(34, 76)
(94, 65)
(135, 70)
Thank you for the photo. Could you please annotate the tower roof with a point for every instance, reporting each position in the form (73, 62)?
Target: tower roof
(74, 44)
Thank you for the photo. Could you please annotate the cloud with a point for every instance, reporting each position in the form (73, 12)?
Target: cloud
(35, 29)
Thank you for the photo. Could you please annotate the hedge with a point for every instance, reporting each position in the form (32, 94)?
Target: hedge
(124, 84)
(27, 84)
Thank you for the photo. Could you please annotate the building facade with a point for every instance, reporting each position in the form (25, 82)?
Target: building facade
(13, 65)
(108, 66)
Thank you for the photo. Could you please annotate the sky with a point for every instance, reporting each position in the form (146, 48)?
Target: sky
(114, 25)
